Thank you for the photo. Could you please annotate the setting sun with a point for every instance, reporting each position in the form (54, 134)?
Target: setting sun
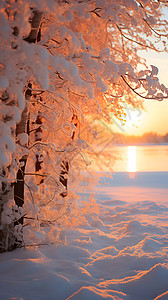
(133, 118)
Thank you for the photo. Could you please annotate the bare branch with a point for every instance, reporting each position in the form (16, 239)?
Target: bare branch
(144, 97)
(157, 33)
(138, 43)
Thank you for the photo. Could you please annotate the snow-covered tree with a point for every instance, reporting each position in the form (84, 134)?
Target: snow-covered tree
(63, 64)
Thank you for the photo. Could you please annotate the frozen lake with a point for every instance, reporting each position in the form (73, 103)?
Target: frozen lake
(141, 174)
(148, 158)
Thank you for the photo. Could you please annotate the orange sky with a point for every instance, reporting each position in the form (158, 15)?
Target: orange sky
(156, 116)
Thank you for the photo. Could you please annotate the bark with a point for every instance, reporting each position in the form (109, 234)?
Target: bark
(35, 27)
(38, 137)
(63, 178)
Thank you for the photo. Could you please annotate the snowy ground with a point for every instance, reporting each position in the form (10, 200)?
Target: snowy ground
(120, 251)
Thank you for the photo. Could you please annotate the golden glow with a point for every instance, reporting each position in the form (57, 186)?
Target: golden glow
(131, 152)
(133, 118)
(154, 118)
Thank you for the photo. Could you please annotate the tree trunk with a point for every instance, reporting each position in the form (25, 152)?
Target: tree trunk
(7, 224)
(22, 127)
(19, 184)
(7, 240)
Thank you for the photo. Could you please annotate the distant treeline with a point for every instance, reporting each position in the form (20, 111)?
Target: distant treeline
(146, 138)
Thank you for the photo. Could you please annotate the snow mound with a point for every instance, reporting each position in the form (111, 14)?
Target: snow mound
(97, 294)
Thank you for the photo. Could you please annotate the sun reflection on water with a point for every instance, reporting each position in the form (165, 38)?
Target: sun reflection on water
(131, 154)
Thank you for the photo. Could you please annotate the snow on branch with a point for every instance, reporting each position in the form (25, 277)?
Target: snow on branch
(62, 65)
